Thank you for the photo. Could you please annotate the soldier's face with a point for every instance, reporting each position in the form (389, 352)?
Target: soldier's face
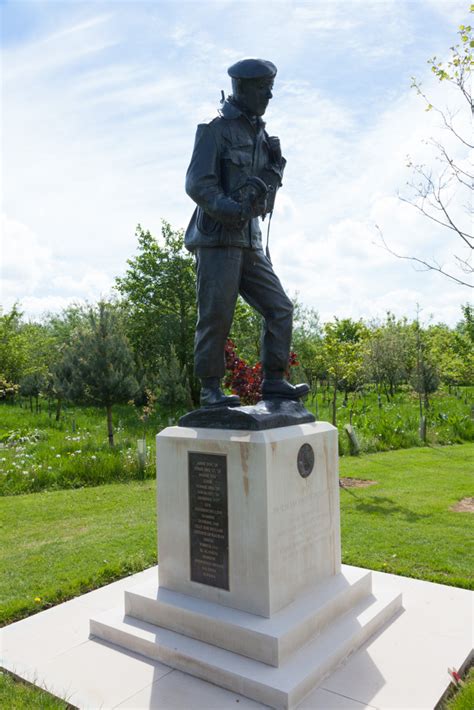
(256, 93)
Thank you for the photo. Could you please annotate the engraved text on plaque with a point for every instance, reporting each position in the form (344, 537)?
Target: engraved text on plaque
(208, 519)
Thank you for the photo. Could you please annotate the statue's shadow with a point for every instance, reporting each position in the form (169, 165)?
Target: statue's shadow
(382, 505)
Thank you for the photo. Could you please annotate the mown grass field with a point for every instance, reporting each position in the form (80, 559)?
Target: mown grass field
(37, 453)
(404, 524)
(58, 544)
(16, 695)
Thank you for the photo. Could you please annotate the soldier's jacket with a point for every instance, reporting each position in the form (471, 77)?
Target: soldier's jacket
(227, 151)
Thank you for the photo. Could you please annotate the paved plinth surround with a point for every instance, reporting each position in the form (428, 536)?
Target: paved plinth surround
(251, 594)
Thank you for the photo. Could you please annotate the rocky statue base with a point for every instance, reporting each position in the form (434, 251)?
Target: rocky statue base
(251, 595)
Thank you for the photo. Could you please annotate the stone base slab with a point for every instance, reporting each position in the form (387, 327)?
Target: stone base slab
(270, 641)
(282, 687)
(404, 666)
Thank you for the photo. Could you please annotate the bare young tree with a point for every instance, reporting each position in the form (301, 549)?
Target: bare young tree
(439, 193)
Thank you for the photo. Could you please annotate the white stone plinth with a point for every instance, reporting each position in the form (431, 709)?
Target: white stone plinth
(271, 641)
(279, 687)
(283, 528)
(251, 595)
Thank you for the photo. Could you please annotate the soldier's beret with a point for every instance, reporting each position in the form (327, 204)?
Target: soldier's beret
(252, 69)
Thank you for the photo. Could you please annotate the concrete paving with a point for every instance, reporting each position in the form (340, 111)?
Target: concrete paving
(404, 667)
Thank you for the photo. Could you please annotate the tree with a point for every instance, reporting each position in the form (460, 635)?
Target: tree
(389, 354)
(453, 353)
(41, 354)
(13, 346)
(31, 386)
(48, 352)
(60, 377)
(466, 325)
(246, 331)
(343, 353)
(424, 378)
(307, 341)
(173, 392)
(61, 326)
(160, 302)
(439, 192)
(101, 363)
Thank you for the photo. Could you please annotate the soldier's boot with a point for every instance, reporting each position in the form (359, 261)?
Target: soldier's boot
(212, 395)
(275, 387)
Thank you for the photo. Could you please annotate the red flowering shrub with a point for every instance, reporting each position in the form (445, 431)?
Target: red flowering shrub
(244, 379)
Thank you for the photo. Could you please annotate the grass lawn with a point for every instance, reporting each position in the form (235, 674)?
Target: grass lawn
(58, 544)
(16, 695)
(404, 524)
(463, 699)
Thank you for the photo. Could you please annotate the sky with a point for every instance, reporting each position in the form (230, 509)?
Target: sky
(100, 103)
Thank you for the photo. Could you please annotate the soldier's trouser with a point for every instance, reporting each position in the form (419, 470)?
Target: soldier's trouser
(223, 273)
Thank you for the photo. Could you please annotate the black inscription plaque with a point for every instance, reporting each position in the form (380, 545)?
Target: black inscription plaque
(208, 519)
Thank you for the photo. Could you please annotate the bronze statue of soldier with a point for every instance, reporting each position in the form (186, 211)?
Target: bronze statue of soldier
(235, 171)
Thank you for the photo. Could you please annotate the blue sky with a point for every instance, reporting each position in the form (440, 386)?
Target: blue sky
(100, 105)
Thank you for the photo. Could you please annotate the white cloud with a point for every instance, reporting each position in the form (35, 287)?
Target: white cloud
(30, 268)
(99, 132)
(325, 244)
(25, 261)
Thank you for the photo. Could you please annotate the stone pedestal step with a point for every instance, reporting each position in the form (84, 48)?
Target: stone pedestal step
(272, 640)
(282, 687)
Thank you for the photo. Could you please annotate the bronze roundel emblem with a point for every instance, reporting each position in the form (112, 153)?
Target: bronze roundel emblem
(305, 460)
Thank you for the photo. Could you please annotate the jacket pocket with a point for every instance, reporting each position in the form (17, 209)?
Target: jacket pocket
(206, 224)
(240, 155)
(236, 166)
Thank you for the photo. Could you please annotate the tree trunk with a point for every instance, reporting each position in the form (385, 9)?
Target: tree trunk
(427, 401)
(58, 409)
(334, 403)
(326, 393)
(110, 428)
(422, 429)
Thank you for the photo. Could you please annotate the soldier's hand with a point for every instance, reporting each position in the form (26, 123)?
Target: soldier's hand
(254, 209)
(253, 198)
(275, 147)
